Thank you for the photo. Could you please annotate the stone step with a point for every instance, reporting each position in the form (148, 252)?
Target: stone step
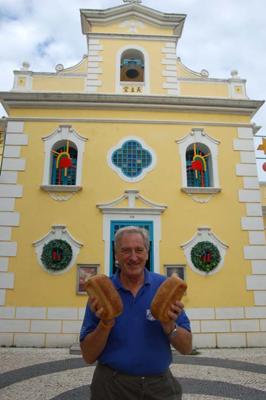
(75, 349)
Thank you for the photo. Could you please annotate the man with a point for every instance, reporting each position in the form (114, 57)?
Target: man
(133, 351)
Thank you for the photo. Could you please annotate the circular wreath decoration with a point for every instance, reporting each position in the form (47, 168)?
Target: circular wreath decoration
(205, 256)
(56, 255)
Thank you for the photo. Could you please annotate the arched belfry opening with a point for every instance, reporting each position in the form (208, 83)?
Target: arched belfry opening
(132, 66)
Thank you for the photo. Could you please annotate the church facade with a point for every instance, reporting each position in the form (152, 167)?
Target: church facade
(130, 136)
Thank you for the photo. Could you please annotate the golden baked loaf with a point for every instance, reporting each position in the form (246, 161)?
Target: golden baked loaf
(101, 287)
(171, 290)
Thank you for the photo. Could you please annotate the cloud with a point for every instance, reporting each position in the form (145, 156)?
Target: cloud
(218, 36)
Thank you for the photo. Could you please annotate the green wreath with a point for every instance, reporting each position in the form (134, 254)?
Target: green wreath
(205, 256)
(56, 255)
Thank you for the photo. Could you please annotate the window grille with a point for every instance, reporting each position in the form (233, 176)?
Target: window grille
(64, 164)
(131, 158)
(198, 165)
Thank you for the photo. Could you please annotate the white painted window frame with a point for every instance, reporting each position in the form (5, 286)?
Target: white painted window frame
(62, 133)
(198, 135)
(118, 170)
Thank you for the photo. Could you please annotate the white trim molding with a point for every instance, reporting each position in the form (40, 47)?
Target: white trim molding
(255, 250)
(10, 190)
(57, 232)
(94, 70)
(169, 59)
(204, 234)
(63, 132)
(118, 170)
(198, 135)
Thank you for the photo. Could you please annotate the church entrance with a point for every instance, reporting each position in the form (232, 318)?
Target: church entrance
(115, 225)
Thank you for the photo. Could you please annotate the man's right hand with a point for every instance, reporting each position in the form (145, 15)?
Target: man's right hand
(98, 310)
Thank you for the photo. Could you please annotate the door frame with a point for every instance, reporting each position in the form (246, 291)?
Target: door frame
(154, 219)
(136, 223)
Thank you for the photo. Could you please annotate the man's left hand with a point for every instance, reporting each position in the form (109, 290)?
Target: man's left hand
(174, 312)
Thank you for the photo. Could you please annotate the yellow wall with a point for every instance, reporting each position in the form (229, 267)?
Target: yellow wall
(59, 84)
(202, 89)
(72, 79)
(35, 287)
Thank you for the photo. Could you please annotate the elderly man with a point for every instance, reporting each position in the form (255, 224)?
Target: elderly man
(134, 350)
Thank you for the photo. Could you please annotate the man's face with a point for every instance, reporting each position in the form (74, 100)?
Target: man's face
(131, 254)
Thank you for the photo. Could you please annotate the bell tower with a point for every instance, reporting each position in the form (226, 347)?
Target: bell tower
(132, 49)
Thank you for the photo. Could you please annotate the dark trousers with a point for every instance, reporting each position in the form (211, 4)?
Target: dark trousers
(108, 384)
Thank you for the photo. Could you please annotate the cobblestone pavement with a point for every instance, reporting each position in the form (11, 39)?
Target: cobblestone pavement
(55, 374)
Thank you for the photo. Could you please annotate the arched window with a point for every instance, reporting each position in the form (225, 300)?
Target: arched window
(64, 156)
(132, 66)
(199, 166)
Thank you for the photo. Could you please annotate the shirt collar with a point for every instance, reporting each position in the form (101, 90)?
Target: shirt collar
(117, 282)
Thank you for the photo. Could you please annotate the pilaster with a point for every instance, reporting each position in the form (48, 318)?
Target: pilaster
(94, 65)
(10, 190)
(252, 222)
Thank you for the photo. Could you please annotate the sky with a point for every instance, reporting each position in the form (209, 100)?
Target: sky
(219, 36)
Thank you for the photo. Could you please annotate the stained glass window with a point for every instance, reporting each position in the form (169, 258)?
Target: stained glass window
(64, 164)
(198, 163)
(132, 158)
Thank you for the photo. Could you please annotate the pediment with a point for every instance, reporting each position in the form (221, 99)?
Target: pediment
(91, 18)
(64, 132)
(131, 202)
(197, 135)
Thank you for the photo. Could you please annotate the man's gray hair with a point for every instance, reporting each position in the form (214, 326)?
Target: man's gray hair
(133, 229)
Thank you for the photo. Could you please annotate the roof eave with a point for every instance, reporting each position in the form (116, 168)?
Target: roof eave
(20, 100)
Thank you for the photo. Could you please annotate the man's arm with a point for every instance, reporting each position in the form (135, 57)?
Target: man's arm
(94, 343)
(182, 339)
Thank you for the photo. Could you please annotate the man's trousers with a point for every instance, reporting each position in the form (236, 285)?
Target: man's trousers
(108, 384)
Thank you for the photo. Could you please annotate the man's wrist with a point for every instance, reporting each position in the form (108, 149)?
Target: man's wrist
(173, 332)
(107, 324)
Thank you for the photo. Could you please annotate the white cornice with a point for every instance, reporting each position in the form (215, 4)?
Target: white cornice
(54, 74)
(132, 121)
(112, 36)
(107, 101)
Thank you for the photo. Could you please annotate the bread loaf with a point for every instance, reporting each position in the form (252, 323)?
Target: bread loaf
(101, 287)
(171, 290)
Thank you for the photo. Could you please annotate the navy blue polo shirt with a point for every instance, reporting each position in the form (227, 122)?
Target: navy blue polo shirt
(137, 344)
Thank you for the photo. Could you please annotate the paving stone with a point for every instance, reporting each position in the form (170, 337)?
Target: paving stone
(54, 374)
